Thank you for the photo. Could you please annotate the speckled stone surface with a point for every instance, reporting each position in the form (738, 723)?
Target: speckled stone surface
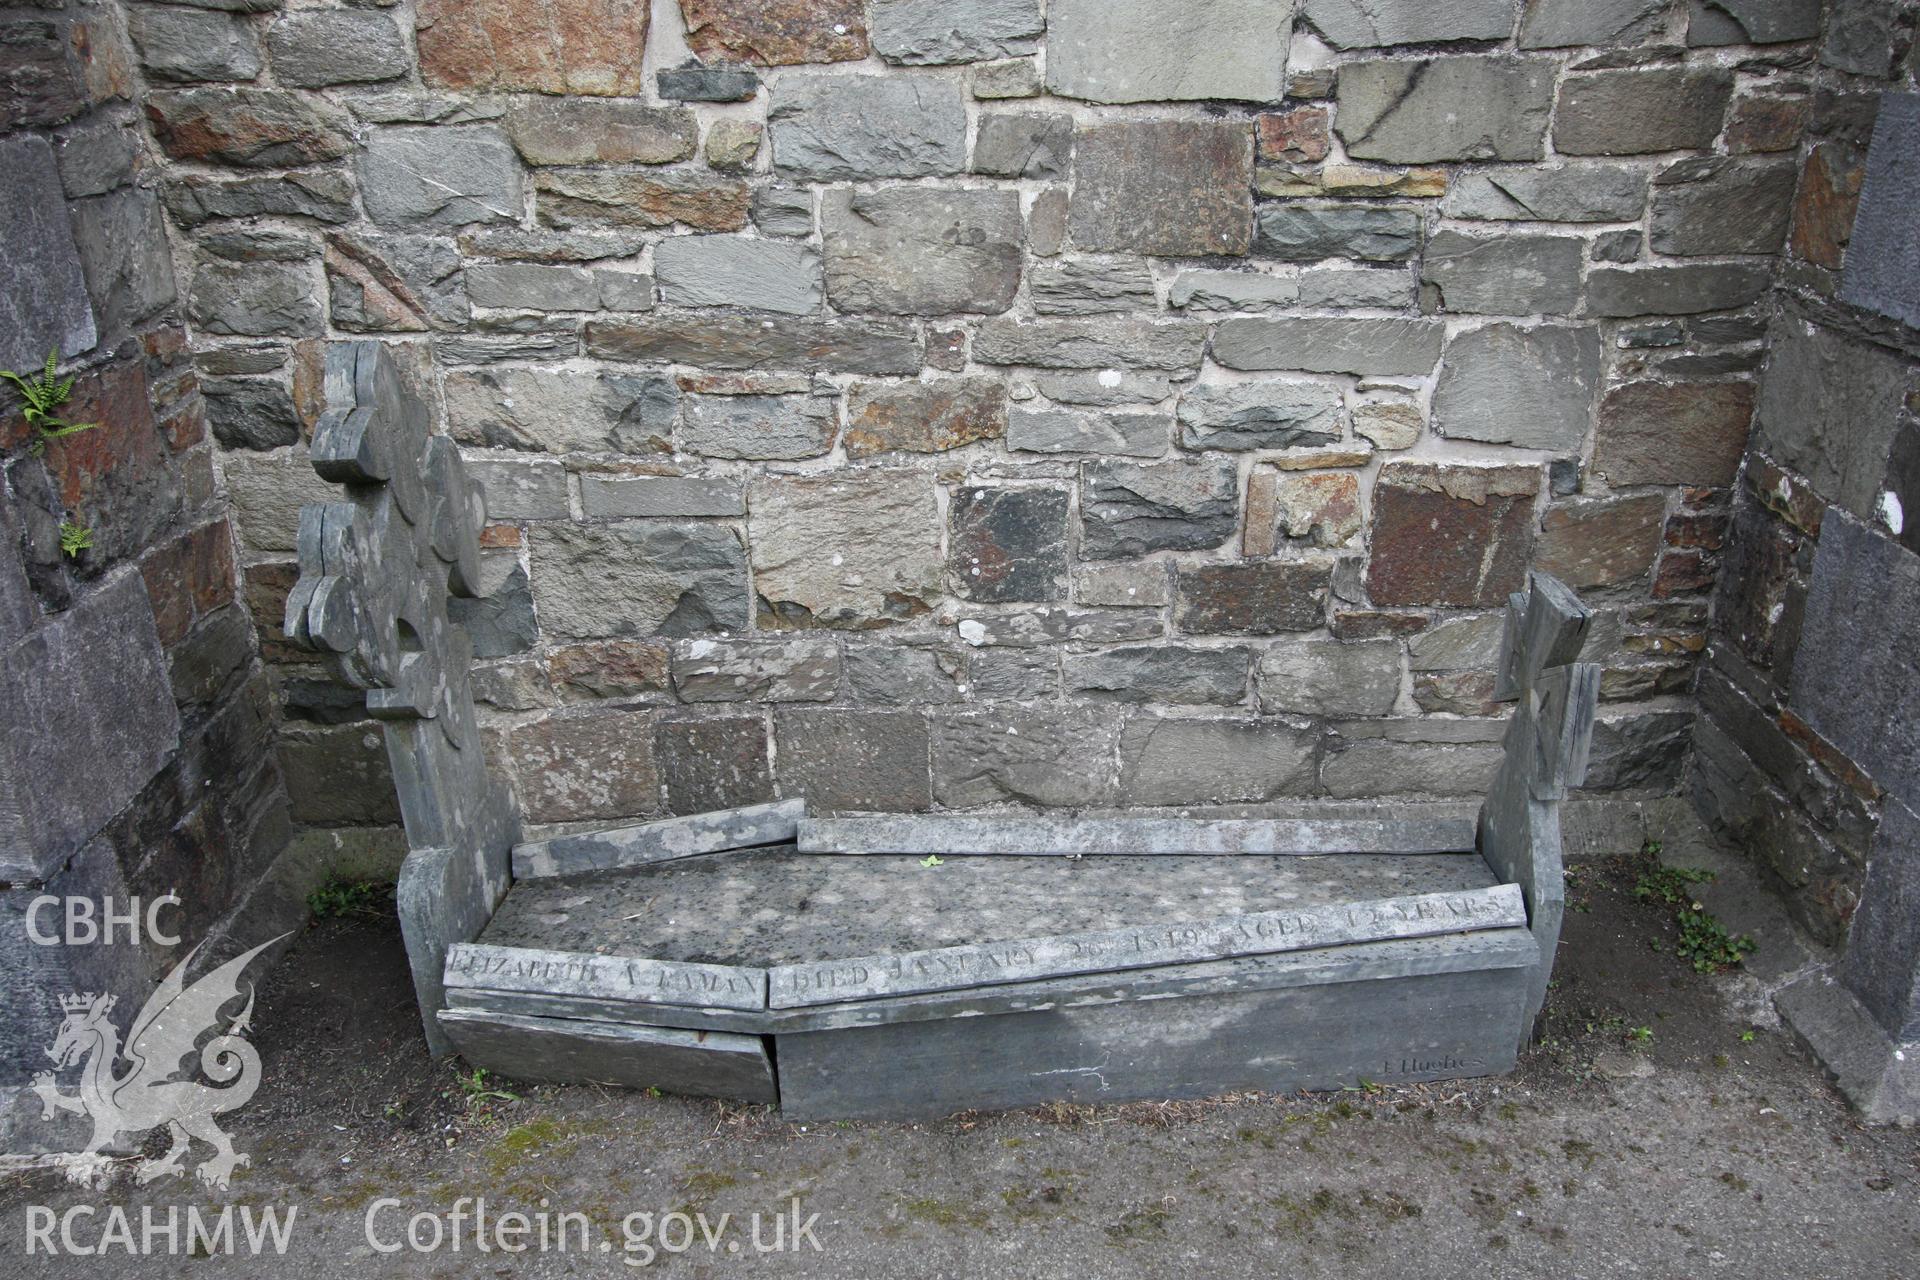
(776, 906)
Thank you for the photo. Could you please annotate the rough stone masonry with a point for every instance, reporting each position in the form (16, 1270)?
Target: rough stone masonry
(947, 403)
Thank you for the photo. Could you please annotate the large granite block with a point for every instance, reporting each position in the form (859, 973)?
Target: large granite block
(89, 719)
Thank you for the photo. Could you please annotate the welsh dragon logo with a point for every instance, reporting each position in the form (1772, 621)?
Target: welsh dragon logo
(155, 1090)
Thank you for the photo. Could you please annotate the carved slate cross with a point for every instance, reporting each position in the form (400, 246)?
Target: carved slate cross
(1552, 728)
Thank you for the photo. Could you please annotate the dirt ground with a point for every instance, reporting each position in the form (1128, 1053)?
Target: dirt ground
(1663, 1126)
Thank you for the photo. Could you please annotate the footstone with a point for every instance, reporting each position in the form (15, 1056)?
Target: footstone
(578, 1051)
(952, 968)
(744, 828)
(1075, 837)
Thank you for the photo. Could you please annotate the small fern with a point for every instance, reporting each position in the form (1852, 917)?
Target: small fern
(42, 393)
(75, 538)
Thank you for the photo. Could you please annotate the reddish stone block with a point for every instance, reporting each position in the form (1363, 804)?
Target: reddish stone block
(1682, 573)
(1458, 693)
(1828, 198)
(1599, 544)
(1787, 495)
(1706, 532)
(776, 32)
(189, 577)
(609, 669)
(536, 46)
(1371, 624)
(115, 479)
(497, 536)
(1263, 599)
(1298, 136)
(1450, 535)
(1673, 432)
(265, 587)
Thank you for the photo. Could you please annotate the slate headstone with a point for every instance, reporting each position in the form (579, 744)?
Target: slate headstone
(1882, 271)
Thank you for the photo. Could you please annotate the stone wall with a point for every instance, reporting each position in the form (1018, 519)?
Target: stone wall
(1806, 747)
(942, 403)
(137, 754)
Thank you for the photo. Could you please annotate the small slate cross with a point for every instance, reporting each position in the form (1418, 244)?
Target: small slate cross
(1552, 729)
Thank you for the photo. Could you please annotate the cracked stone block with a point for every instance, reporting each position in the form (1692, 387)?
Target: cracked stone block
(1308, 233)
(1504, 275)
(440, 176)
(1272, 413)
(1464, 107)
(395, 284)
(939, 32)
(1023, 144)
(1363, 24)
(1564, 193)
(923, 417)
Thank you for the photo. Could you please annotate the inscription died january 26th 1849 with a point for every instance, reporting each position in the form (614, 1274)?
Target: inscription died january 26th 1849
(953, 968)
(622, 978)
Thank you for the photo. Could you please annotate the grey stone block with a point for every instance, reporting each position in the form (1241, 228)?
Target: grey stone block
(254, 299)
(1859, 38)
(1510, 385)
(1464, 107)
(745, 827)
(43, 291)
(91, 720)
(1056, 756)
(325, 195)
(1330, 677)
(1031, 627)
(1504, 275)
(1021, 835)
(440, 177)
(1126, 344)
(758, 426)
(1308, 233)
(1107, 387)
(95, 158)
(799, 670)
(692, 82)
(783, 211)
(124, 252)
(625, 497)
(1090, 286)
(1634, 111)
(1205, 290)
(560, 411)
(1883, 256)
(1362, 24)
(1168, 674)
(921, 250)
(314, 49)
(1723, 22)
(1273, 413)
(849, 549)
(848, 761)
(595, 131)
(1683, 290)
(1877, 1074)
(1334, 286)
(532, 286)
(831, 127)
(1566, 193)
(1882, 961)
(522, 489)
(614, 979)
(734, 271)
(394, 282)
(629, 579)
(1380, 768)
(1011, 144)
(1559, 24)
(1136, 51)
(1716, 205)
(758, 342)
(194, 45)
(250, 413)
(1130, 508)
(1130, 435)
(1829, 406)
(502, 623)
(933, 32)
(890, 675)
(1332, 345)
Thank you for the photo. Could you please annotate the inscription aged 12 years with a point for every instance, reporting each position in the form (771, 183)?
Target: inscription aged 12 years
(950, 968)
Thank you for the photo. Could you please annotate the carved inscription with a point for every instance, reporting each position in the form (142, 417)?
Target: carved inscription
(624, 978)
(952, 968)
